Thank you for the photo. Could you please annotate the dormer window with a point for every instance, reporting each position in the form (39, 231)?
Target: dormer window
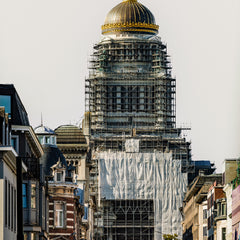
(59, 176)
(47, 139)
(59, 171)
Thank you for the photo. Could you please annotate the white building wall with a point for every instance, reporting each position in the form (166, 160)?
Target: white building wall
(205, 220)
(202, 220)
(220, 225)
(5, 231)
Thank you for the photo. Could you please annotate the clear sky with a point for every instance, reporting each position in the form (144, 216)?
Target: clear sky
(45, 47)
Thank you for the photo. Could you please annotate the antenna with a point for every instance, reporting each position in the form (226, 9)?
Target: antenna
(41, 119)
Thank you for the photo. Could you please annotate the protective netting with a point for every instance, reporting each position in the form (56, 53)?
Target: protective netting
(155, 175)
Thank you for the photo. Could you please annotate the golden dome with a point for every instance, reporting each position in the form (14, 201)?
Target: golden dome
(130, 16)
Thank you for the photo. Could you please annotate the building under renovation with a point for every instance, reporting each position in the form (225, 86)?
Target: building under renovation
(139, 159)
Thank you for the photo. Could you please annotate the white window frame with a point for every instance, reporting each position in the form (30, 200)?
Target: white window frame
(60, 218)
(61, 222)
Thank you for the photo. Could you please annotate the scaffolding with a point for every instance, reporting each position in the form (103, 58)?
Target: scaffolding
(132, 80)
(128, 219)
(130, 94)
(133, 182)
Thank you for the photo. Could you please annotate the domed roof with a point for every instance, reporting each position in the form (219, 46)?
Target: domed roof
(130, 16)
(44, 130)
(70, 134)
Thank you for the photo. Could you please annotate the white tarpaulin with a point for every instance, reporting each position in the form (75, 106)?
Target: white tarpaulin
(156, 176)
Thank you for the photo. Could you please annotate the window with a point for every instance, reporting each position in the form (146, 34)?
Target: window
(59, 214)
(205, 231)
(223, 209)
(6, 102)
(59, 176)
(12, 207)
(9, 200)
(15, 211)
(47, 139)
(223, 233)
(33, 195)
(6, 201)
(204, 213)
(53, 140)
(85, 217)
(24, 195)
(236, 235)
(33, 236)
(219, 209)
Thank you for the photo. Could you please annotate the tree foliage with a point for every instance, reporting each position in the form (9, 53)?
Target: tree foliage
(170, 237)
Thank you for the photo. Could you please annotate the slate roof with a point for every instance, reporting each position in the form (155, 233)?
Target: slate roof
(50, 157)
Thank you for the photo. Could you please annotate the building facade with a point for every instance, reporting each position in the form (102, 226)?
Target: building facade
(230, 173)
(33, 188)
(221, 219)
(65, 211)
(72, 143)
(61, 171)
(216, 196)
(195, 208)
(30, 189)
(8, 180)
(236, 213)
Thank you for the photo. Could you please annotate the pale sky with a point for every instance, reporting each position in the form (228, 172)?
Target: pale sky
(45, 47)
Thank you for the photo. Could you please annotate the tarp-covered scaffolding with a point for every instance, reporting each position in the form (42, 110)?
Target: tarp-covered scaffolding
(132, 175)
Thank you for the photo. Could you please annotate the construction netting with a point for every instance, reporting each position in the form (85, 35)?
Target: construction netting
(145, 175)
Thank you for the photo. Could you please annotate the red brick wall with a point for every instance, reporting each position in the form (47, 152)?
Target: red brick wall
(69, 215)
